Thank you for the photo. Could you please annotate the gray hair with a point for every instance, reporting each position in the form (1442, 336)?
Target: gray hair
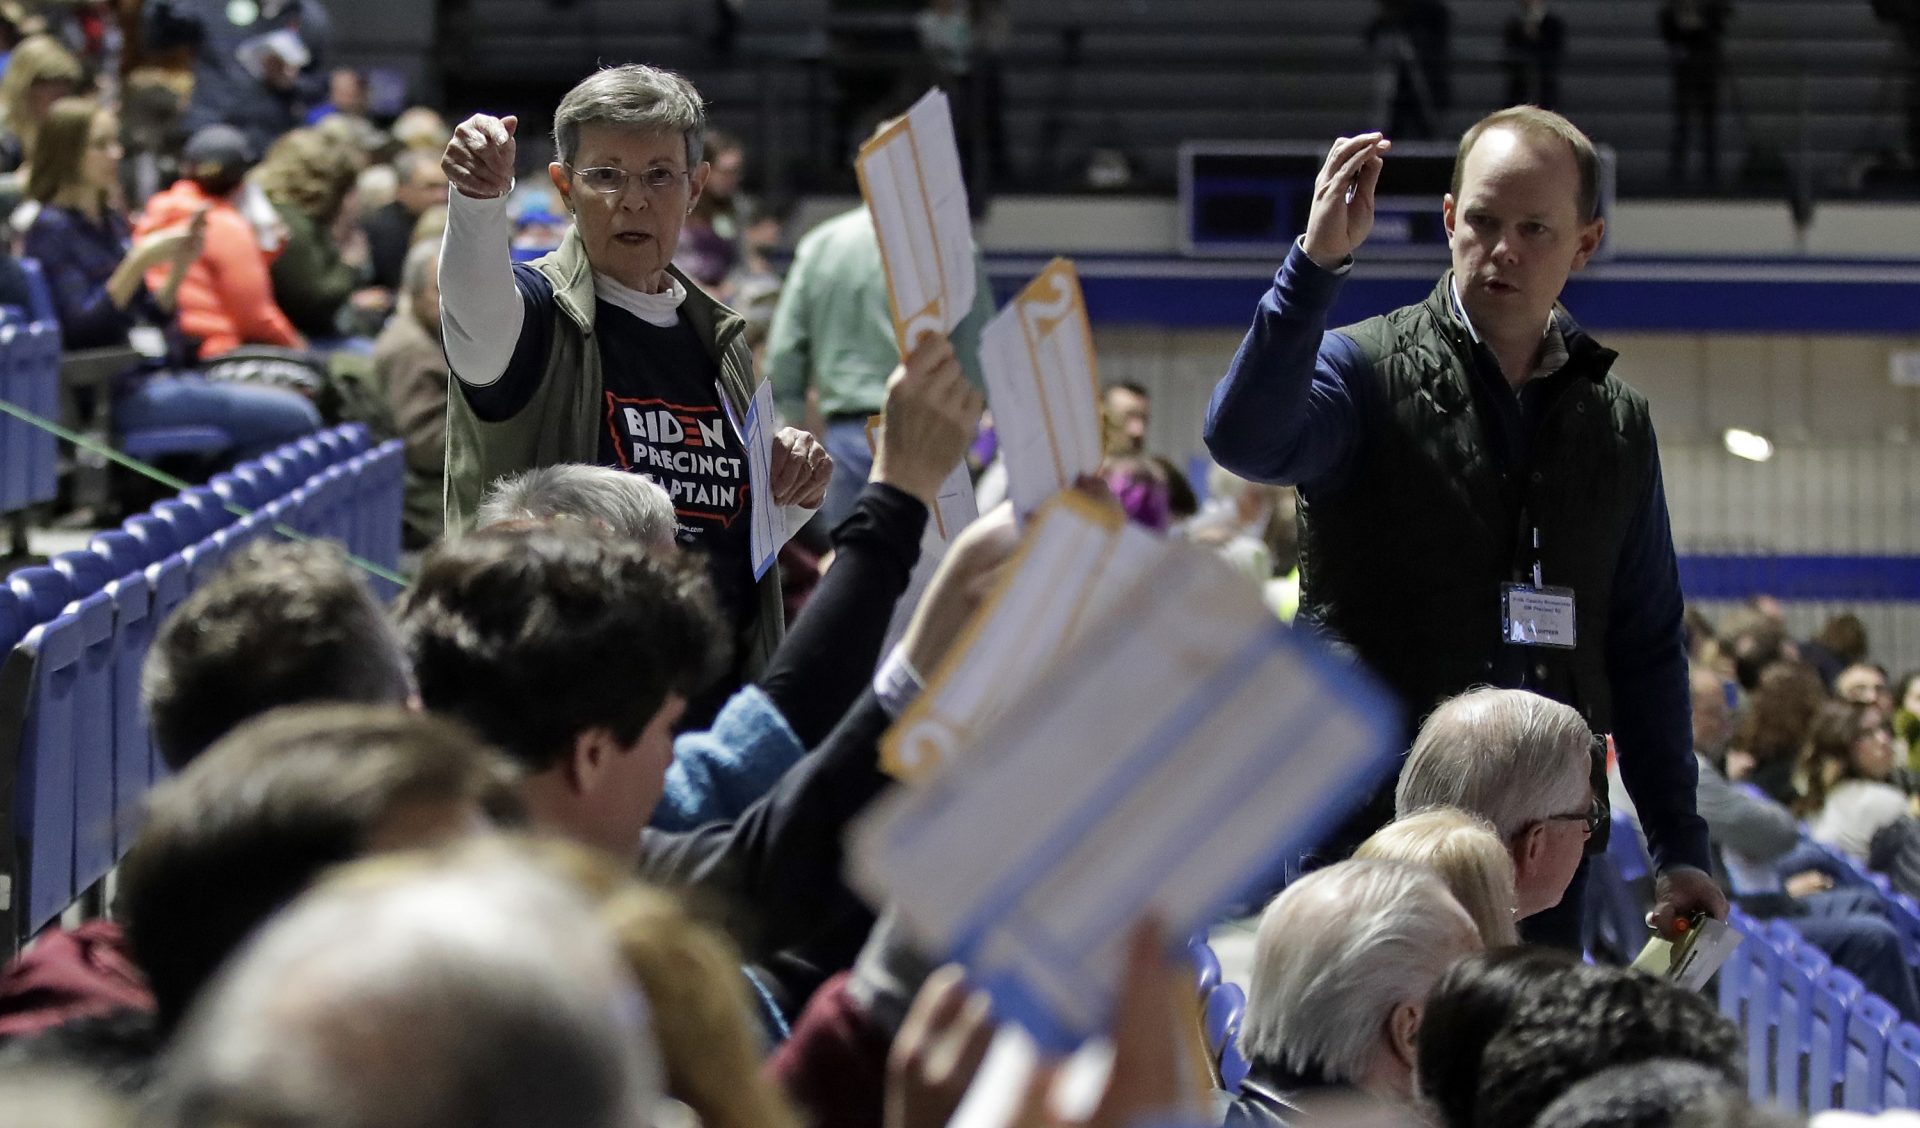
(631, 506)
(421, 258)
(1467, 853)
(1337, 952)
(1509, 756)
(638, 97)
(477, 991)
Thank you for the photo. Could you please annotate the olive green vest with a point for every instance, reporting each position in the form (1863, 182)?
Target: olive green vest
(1406, 559)
(561, 422)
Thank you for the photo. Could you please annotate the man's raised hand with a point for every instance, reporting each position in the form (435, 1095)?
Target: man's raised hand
(479, 159)
(1342, 213)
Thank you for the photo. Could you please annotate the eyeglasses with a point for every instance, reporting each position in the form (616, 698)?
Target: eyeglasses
(612, 181)
(1593, 816)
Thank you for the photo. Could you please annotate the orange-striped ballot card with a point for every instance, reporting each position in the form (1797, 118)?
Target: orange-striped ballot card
(1037, 355)
(910, 178)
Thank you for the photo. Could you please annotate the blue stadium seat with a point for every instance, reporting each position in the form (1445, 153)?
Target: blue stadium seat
(1206, 967)
(133, 627)
(1834, 997)
(13, 621)
(124, 552)
(189, 523)
(1224, 1007)
(1761, 1020)
(1903, 1067)
(1799, 977)
(1869, 1027)
(234, 490)
(213, 510)
(45, 665)
(158, 537)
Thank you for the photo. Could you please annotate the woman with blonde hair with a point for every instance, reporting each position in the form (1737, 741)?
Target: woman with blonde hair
(1467, 853)
(39, 73)
(310, 176)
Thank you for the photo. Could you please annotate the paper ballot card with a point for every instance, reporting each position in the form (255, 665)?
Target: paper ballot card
(1076, 561)
(1176, 755)
(1037, 355)
(1690, 961)
(910, 178)
(769, 526)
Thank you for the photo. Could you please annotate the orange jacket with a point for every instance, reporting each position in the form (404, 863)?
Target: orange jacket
(226, 298)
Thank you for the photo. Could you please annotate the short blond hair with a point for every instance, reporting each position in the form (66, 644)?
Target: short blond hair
(1468, 855)
(1532, 121)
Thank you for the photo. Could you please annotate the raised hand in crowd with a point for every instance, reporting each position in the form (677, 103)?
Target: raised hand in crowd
(801, 469)
(1342, 214)
(938, 1050)
(931, 413)
(479, 159)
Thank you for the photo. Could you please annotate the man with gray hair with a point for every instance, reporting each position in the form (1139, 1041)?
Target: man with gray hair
(475, 991)
(410, 369)
(630, 506)
(1342, 964)
(1525, 764)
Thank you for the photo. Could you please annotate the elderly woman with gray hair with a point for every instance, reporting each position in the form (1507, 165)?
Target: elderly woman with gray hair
(601, 351)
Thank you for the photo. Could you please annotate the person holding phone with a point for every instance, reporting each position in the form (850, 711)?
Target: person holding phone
(1480, 498)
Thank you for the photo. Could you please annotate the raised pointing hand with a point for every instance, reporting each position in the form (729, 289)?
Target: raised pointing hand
(1342, 212)
(479, 159)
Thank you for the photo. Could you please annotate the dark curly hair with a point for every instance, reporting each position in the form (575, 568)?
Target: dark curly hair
(1584, 1019)
(536, 635)
(1471, 1002)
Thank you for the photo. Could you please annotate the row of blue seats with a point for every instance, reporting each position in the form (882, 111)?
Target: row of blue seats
(30, 379)
(75, 633)
(1816, 1039)
(1222, 1007)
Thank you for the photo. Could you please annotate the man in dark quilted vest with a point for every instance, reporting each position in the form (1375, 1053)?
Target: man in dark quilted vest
(1481, 501)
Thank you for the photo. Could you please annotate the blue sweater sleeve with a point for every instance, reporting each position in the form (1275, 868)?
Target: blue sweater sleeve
(88, 317)
(1647, 666)
(716, 775)
(1288, 410)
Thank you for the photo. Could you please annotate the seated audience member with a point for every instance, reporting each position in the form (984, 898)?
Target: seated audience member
(1850, 774)
(1906, 721)
(705, 1013)
(410, 369)
(1865, 683)
(1342, 964)
(252, 822)
(1524, 764)
(226, 299)
(309, 177)
(346, 94)
(1466, 1006)
(1840, 645)
(482, 993)
(279, 624)
(1565, 1024)
(1773, 731)
(39, 72)
(1658, 1094)
(420, 184)
(1468, 855)
(631, 507)
(95, 271)
(1755, 837)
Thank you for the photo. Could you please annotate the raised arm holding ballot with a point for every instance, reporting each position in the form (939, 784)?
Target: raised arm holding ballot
(1481, 501)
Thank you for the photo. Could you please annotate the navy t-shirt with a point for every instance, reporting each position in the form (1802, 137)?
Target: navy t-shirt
(661, 415)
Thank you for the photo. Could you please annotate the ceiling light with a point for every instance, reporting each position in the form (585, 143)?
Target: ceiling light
(1748, 445)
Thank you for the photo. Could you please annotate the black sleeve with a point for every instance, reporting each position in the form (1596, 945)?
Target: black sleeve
(774, 872)
(829, 654)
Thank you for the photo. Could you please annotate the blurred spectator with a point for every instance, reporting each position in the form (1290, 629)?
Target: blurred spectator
(317, 279)
(833, 338)
(1234, 522)
(410, 367)
(1342, 964)
(420, 184)
(1127, 412)
(1842, 641)
(1852, 781)
(1906, 721)
(39, 73)
(258, 65)
(1535, 41)
(1778, 718)
(1904, 16)
(1471, 1001)
(1413, 68)
(1695, 31)
(1865, 683)
(421, 127)
(1753, 640)
(226, 299)
(1142, 491)
(710, 241)
(346, 94)
(96, 271)
(1658, 1094)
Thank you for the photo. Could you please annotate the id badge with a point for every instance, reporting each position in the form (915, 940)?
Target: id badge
(1537, 616)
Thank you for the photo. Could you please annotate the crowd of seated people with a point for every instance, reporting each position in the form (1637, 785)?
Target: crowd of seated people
(483, 858)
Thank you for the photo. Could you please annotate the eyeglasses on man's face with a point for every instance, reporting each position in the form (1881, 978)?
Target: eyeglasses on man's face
(1593, 816)
(608, 181)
